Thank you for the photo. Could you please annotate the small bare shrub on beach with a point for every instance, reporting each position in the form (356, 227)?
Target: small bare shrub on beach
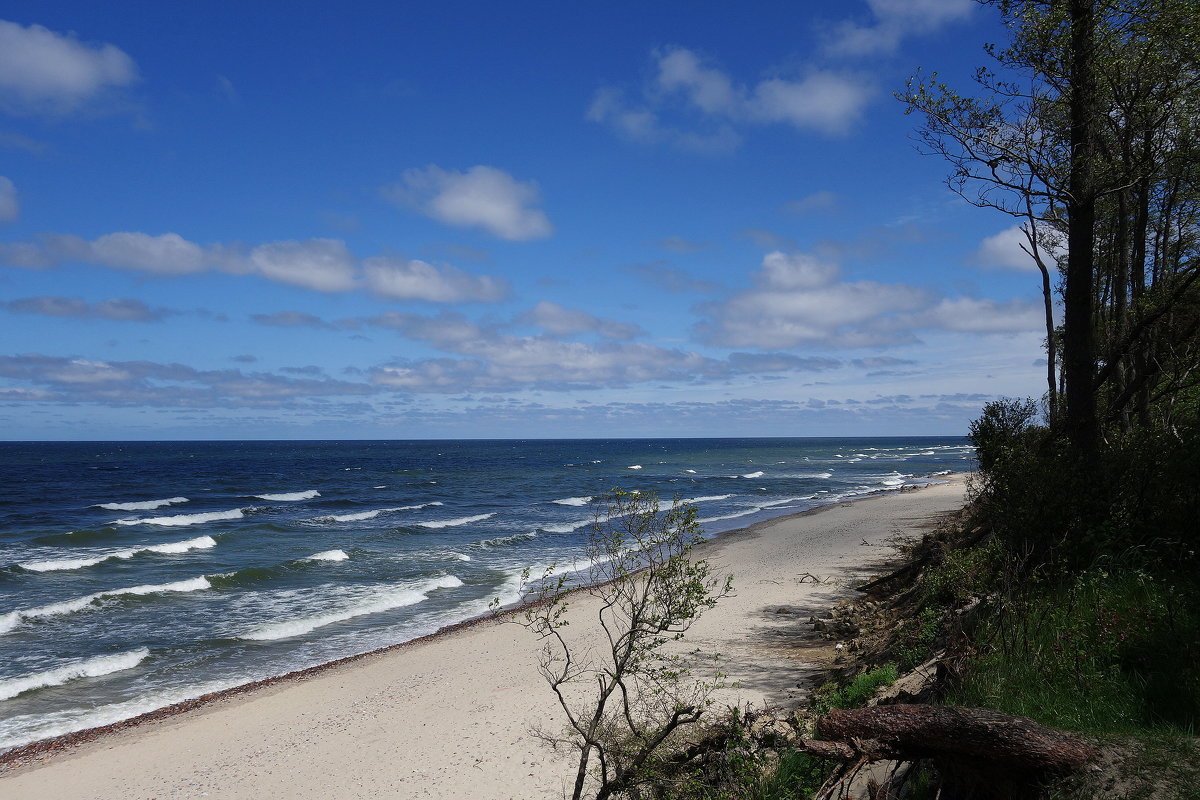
(628, 698)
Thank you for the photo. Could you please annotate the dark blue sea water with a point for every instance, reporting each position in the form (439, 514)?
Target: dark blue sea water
(138, 574)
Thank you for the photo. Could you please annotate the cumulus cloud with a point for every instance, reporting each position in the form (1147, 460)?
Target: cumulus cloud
(798, 298)
(10, 209)
(117, 309)
(821, 100)
(416, 280)
(894, 20)
(322, 265)
(975, 315)
(482, 197)
(1008, 249)
(561, 321)
(45, 72)
(168, 254)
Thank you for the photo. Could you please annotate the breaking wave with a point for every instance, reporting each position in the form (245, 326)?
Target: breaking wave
(453, 523)
(289, 496)
(86, 668)
(145, 505)
(383, 601)
(199, 543)
(180, 520)
(360, 516)
(13, 618)
(328, 555)
(573, 501)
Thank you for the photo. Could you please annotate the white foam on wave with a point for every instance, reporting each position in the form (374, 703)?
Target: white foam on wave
(85, 668)
(635, 466)
(692, 471)
(13, 618)
(287, 497)
(743, 513)
(775, 503)
(454, 523)
(360, 516)
(386, 600)
(26, 728)
(566, 527)
(180, 520)
(708, 499)
(328, 555)
(145, 505)
(573, 501)
(758, 474)
(893, 479)
(503, 541)
(172, 548)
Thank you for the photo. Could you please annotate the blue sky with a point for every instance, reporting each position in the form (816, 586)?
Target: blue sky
(316, 220)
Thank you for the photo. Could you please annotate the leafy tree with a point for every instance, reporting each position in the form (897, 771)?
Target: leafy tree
(650, 592)
(1087, 132)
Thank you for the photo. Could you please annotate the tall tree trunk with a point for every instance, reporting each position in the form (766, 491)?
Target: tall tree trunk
(1079, 336)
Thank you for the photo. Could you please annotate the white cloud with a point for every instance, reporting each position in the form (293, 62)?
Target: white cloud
(10, 209)
(893, 21)
(324, 265)
(709, 89)
(972, 315)
(1004, 250)
(799, 299)
(824, 101)
(561, 321)
(819, 100)
(168, 254)
(483, 197)
(492, 361)
(416, 280)
(44, 72)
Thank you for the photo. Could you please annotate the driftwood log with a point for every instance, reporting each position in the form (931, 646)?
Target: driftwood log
(979, 753)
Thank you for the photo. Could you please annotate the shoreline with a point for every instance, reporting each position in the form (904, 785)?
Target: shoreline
(33, 759)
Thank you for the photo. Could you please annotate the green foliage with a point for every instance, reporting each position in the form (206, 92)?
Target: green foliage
(858, 691)
(916, 638)
(798, 776)
(650, 592)
(1135, 503)
(964, 573)
(1003, 427)
(1102, 652)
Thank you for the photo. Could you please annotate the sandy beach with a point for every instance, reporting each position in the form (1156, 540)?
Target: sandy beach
(449, 716)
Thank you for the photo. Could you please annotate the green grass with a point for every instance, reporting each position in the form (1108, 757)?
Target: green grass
(856, 693)
(1099, 653)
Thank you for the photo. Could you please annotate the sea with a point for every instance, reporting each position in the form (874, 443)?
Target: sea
(134, 575)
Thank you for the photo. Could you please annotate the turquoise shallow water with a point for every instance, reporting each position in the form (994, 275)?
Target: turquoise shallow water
(138, 574)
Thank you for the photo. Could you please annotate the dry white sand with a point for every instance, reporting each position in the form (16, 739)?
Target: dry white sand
(449, 717)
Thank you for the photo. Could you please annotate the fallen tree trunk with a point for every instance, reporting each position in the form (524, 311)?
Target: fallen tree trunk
(911, 732)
